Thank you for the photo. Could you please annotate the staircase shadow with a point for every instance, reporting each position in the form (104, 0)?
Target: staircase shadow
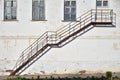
(74, 37)
(68, 41)
(35, 59)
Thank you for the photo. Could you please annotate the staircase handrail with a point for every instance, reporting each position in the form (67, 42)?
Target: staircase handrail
(54, 37)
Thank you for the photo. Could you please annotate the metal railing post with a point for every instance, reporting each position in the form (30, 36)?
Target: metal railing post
(37, 45)
(84, 22)
(111, 15)
(55, 37)
(105, 18)
(96, 12)
(47, 38)
(80, 22)
(69, 28)
(31, 51)
(101, 15)
(91, 15)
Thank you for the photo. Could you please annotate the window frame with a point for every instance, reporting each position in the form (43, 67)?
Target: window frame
(39, 8)
(70, 7)
(102, 3)
(11, 10)
(107, 3)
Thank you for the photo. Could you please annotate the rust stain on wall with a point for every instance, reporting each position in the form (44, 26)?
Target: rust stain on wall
(82, 71)
(9, 70)
(43, 72)
(116, 46)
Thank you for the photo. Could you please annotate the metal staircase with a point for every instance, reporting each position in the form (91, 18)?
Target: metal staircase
(59, 38)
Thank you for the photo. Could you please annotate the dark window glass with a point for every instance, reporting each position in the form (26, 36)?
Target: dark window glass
(73, 17)
(105, 3)
(14, 3)
(73, 11)
(41, 3)
(42, 14)
(66, 17)
(35, 13)
(38, 12)
(99, 3)
(7, 3)
(67, 10)
(67, 3)
(73, 3)
(7, 13)
(35, 3)
(10, 10)
(11, 3)
(14, 13)
(70, 10)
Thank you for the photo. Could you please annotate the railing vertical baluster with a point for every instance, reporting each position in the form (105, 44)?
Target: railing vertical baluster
(91, 15)
(80, 22)
(41, 45)
(115, 19)
(69, 28)
(111, 15)
(96, 16)
(31, 51)
(51, 37)
(46, 38)
(84, 25)
(74, 29)
(60, 37)
(84, 22)
(37, 45)
(101, 15)
(22, 58)
(55, 37)
(105, 18)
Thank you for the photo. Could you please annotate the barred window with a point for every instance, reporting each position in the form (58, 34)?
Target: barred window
(70, 10)
(10, 9)
(38, 10)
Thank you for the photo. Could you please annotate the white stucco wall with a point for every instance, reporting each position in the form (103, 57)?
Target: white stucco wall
(97, 50)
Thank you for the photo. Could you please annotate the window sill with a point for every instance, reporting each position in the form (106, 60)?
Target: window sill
(102, 6)
(69, 21)
(10, 20)
(38, 20)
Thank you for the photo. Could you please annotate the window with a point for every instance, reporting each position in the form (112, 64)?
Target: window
(10, 9)
(102, 3)
(99, 3)
(69, 10)
(38, 10)
(105, 3)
